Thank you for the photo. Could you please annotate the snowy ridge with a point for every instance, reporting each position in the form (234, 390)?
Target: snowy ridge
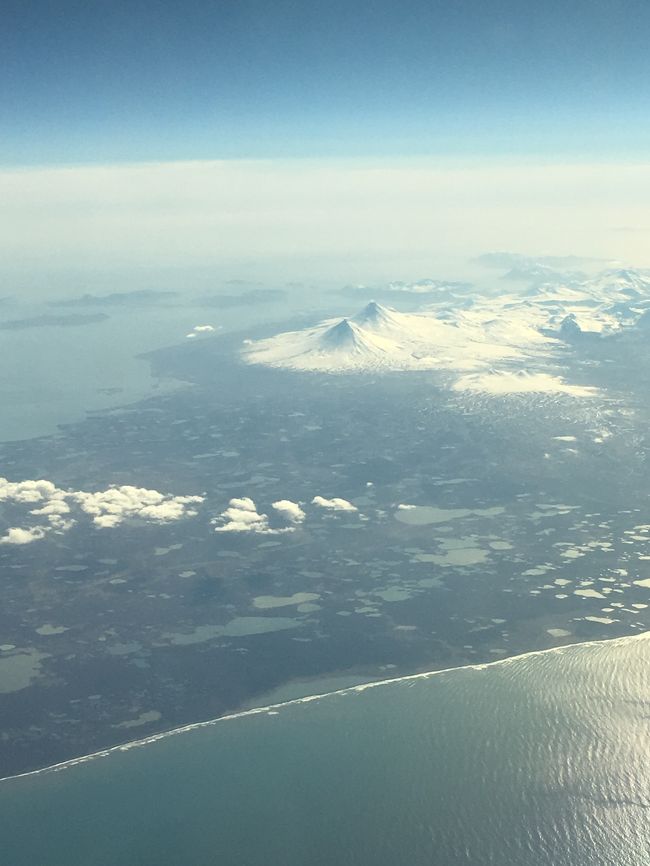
(606, 304)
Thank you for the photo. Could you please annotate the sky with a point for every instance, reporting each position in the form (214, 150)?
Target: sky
(339, 221)
(109, 81)
(276, 139)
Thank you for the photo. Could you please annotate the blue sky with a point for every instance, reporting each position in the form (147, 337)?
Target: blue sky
(120, 81)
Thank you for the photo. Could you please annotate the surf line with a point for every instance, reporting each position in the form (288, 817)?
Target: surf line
(307, 699)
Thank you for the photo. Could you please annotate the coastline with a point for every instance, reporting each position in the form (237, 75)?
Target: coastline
(276, 707)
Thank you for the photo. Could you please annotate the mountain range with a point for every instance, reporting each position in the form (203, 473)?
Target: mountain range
(495, 343)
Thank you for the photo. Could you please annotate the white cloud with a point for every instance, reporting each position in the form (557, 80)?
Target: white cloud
(291, 510)
(112, 506)
(17, 535)
(245, 503)
(107, 508)
(242, 516)
(335, 504)
(56, 511)
(27, 491)
(200, 329)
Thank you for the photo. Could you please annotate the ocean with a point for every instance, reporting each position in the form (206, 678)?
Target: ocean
(540, 760)
(54, 373)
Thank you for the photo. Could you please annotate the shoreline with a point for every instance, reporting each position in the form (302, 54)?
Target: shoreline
(270, 708)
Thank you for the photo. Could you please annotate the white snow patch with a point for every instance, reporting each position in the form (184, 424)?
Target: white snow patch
(521, 382)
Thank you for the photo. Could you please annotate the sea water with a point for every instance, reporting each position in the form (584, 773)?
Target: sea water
(54, 374)
(541, 760)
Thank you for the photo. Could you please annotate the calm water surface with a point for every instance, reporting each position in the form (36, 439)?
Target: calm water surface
(542, 760)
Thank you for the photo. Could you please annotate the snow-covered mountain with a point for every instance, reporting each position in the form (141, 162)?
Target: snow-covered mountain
(496, 344)
(376, 337)
(606, 304)
(380, 338)
(348, 338)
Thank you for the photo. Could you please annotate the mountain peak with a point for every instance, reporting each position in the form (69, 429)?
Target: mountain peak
(342, 334)
(348, 337)
(374, 314)
(626, 281)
